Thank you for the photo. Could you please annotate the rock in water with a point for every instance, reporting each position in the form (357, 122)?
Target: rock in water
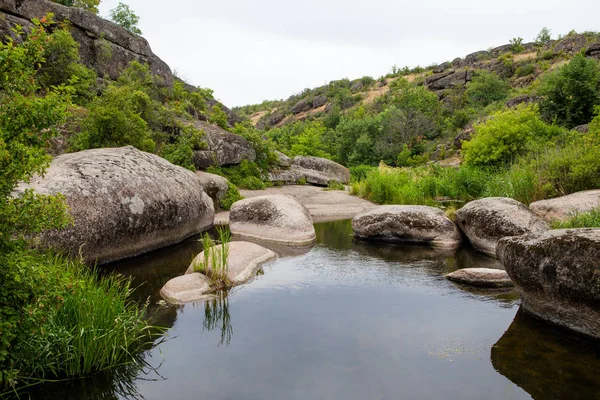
(323, 170)
(124, 203)
(488, 220)
(557, 276)
(186, 288)
(244, 260)
(276, 218)
(407, 224)
(565, 207)
(482, 277)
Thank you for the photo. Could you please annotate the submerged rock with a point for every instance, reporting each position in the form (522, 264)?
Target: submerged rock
(124, 202)
(244, 260)
(276, 218)
(488, 220)
(482, 277)
(186, 289)
(557, 276)
(214, 185)
(565, 207)
(407, 224)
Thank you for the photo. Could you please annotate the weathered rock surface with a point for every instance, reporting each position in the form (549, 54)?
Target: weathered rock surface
(319, 101)
(557, 276)
(278, 219)
(407, 224)
(186, 288)
(215, 186)
(593, 50)
(301, 106)
(103, 45)
(124, 203)
(448, 79)
(282, 160)
(245, 259)
(486, 221)
(565, 207)
(224, 148)
(482, 277)
(325, 170)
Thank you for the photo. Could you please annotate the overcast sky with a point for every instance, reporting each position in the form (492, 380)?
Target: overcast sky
(248, 51)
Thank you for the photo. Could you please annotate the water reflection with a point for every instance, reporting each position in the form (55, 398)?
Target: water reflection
(548, 362)
(217, 316)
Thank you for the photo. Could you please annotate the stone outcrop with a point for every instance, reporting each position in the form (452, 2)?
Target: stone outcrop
(448, 79)
(103, 46)
(243, 262)
(481, 277)
(301, 106)
(319, 101)
(283, 161)
(593, 50)
(186, 289)
(486, 221)
(224, 148)
(324, 170)
(124, 202)
(557, 276)
(278, 219)
(215, 186)
(566, 207)
(407, 224)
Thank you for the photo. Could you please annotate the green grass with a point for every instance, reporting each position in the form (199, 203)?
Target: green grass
(582, 220)
(215, 262)
(231, 196)
(335, 185)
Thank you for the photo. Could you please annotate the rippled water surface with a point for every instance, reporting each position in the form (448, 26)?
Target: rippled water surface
(348, 320)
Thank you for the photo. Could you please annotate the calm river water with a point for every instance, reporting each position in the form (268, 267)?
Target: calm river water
(347, 320)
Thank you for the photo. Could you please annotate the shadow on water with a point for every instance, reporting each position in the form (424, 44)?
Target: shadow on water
(548, 362)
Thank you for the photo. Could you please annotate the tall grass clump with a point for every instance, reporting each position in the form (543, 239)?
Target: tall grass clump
(215, 260)
(581, 220)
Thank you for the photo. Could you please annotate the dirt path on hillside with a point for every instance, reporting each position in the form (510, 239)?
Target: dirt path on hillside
(324, 205)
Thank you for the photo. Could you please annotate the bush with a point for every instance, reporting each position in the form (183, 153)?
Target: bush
(231, 196)
(486, 88)
(582, 220)
(124, 16)
(571, 92)
(505, 135)
(525, 70)
(245, 175)
(218, 117)
(543, 38)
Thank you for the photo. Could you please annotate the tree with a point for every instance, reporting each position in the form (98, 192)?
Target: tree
(485, 88)
(544, 37)
(91, 5)
(124, 16)
(571, 93)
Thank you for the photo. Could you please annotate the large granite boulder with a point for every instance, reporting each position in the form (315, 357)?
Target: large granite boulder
(186, 288)
(407, 224)
(486, 221)
(103, 46)
(481, 277)
(324, 170)
(557, 276)
(277, 218)
(565, 207)
(124, 202)
(224, 148)
(215, 186)
(448, 79)
(243, 262)
(283, 161)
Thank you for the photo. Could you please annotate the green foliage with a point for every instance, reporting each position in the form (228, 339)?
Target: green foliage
(571, 92)
(90, 5)
(335, 185)
(231, 196)
(516, 44)
(544, 37)
(124, 16)
(524, 70)
(215, 262)
(245, 175)
(182, 151)
(581, 220)
(486, 88)
(265, 154)
(359, 172)
(219, 117)
(507, 134)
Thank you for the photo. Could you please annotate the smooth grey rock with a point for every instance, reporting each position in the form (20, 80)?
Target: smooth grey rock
(482, 277)
(327, 169)
(407, 224)
(124, 203)
(214, 185)
(244, 260)
(566, 207)
(556, 274)
(224, 148)
(103, 45)
(283, 160)
(186, 288)
(277, 218)
(486, 221)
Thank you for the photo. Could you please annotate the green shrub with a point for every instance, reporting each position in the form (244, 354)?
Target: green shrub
(581, 220)
(544, 37)
(507, 134)
(245, 175)
(525, 70)
(215, 263)
(516, 45)
(124, 16)
(486, 88)
(182, 151)
(218, 117)
(231, 196)
(571, 92)
(335, 185)
(359, 172)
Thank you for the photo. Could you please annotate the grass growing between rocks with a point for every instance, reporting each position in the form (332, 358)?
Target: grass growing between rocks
(583, 220)
(216, 257)
(231, 196)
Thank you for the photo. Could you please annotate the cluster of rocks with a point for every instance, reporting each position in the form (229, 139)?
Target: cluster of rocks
(313, 170)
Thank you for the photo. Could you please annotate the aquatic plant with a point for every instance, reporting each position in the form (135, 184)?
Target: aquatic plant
(215, 259)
